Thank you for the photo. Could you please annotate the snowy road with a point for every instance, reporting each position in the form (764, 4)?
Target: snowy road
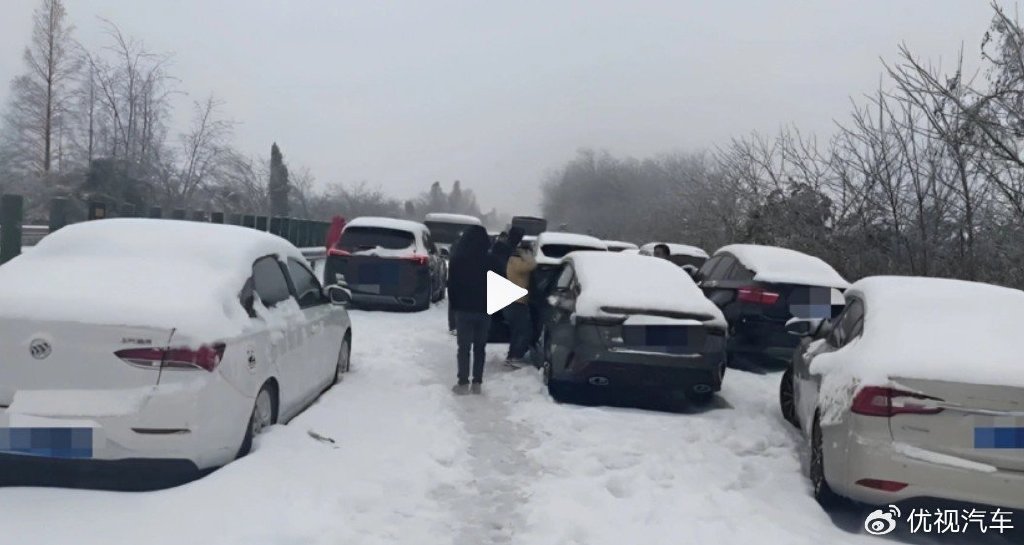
(413, 464)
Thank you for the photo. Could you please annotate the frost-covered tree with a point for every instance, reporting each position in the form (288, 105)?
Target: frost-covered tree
(278, 187)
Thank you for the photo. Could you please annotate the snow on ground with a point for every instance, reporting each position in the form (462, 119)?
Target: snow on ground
(413, 464)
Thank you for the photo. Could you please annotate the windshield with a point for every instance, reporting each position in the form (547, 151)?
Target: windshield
(444, 232)
(367, 238)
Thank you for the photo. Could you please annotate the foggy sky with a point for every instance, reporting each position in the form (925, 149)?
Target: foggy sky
(496, 94)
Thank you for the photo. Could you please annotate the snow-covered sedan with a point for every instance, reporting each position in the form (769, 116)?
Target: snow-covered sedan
(916, 390)
(157, 349)
(760, 288)
(629, 323)
(388, 262)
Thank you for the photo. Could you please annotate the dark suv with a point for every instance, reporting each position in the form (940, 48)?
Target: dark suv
(759, 289)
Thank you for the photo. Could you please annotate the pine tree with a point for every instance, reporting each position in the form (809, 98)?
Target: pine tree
(455, 200)
(437, 200)
(279, 186)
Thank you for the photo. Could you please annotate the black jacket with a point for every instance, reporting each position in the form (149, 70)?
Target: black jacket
(467, 271)
(501, 252)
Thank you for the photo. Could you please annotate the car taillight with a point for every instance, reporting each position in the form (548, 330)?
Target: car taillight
(757, 295)
(338, 252)
(885, 486)
(204, 357)
(880, 401)
(419, 259)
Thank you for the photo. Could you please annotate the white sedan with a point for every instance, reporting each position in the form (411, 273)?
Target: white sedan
(157, 349)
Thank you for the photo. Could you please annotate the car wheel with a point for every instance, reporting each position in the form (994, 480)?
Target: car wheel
(822, 491)
(700, 399)
(264, 415)
(787, 401)
(344, 360)
(423, 300)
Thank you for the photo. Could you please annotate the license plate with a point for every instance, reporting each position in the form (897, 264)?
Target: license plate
(1005, 437)
(48, 442)
(671, 339)
(384, 274)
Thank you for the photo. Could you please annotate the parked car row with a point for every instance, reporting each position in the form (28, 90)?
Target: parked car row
(142, 352)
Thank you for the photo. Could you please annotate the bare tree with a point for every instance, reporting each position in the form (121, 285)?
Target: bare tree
(34, 121)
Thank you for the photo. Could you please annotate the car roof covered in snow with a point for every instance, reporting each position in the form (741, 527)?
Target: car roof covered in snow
(140, 272)
(676, 249)
(387, 223)
(453, 218)
(564, 239)
(610, 280)
(785, 266)
(620, 244)
(919, 328)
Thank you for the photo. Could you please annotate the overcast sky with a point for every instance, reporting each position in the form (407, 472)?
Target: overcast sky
(496, 94)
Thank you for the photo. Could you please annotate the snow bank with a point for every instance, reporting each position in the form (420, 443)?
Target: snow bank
(140, 272)
(610, 279)
(785, 266)
(675, 249)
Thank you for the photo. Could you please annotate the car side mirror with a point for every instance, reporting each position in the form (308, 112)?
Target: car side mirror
(803, 328)
(338, 295)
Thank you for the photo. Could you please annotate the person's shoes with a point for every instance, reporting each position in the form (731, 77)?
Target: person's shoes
(461, 388)
(515, 363)
(476, 388)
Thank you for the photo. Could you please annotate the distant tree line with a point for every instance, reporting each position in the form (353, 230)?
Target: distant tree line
(96, 125)
(926, 177)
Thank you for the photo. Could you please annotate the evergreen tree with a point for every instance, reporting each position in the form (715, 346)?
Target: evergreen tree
(455, 199)
(279, 187)
(437, 201)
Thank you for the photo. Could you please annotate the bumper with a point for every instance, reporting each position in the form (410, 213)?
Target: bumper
(764, 340)
(196, 425)
(390, 301)
(634, 370)
(867, 459)
(126, 474)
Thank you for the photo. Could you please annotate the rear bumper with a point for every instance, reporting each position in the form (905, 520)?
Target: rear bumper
(765, 339)
(631, 370)
(410, 301)
(927, 480)
(125, 474)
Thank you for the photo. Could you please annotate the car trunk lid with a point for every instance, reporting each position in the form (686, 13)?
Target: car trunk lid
(56, 355)
(978, 422)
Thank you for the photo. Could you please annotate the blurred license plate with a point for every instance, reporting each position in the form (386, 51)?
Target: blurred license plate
(1004, 437)
(381, 274)
(672, 339)
(47, 442)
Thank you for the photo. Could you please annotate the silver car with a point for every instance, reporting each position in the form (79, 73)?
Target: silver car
(915, 391)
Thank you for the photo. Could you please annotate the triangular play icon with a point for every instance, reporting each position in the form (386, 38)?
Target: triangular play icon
(501, 293)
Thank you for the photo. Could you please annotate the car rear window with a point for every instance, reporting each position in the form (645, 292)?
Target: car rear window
(367, 238)
(446, 233)
(561, 250)
(681, 259)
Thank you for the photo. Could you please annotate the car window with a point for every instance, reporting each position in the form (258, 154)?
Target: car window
(683, 259)
(708, 266)
(357, 238)
(307, 287)
(739, 273)
(565, 278)
(269, 281)
(849, 324)
(561, 250)
(721, 270)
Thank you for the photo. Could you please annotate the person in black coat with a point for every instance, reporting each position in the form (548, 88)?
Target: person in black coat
(467, 296)
(505, 248)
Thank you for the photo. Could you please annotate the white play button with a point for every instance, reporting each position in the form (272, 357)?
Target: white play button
(500, 292)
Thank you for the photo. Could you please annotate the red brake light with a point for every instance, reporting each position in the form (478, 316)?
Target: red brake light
(887, 402)
(338, 252)
(885, 486)
(757, 295)
(204, 357)
(419, 259)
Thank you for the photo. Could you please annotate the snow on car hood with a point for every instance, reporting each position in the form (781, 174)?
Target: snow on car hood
(615, 280)
(785, 266)
(930, 329)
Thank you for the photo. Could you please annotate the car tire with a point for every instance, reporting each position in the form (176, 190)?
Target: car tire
(823, 493)
(787, 399)
(264, 414)
(344, 364)
(700, 400)
(423, 300)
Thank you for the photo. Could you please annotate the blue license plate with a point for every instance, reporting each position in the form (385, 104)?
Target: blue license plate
(384, 274)
(47, 442)
(999, 438)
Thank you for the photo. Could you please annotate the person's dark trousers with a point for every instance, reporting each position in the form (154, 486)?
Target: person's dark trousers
(472, 329)
(451, 318)
(520, 330)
